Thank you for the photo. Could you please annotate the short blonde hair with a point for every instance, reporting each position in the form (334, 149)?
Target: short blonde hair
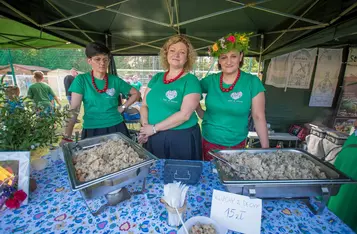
(191, 53)
(38, 75)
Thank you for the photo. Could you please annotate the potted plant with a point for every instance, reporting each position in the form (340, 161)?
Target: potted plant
(26, 129)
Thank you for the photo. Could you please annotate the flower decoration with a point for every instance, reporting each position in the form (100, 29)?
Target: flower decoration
(11, 197)
(215, 47)
(233, 41)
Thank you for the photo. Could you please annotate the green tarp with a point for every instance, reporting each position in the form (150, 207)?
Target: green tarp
(141, 26)
(15, 35)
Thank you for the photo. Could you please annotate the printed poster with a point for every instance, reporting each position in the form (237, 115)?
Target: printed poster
(348, 104)
(302, 65)
(278, 71)
(293, 70)
(326, 77)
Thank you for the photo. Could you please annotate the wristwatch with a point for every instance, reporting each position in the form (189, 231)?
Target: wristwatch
(123, 106)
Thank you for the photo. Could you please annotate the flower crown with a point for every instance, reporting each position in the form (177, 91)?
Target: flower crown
(233, 41)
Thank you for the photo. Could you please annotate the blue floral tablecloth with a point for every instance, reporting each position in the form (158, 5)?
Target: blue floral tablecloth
(54, 208)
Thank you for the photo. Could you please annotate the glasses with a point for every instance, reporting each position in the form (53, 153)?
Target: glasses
(98, 60)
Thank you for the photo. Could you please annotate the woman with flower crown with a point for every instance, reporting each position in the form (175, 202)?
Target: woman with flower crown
(231, 95)
(170, 128)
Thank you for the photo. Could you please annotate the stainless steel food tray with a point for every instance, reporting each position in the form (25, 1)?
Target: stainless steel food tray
(110, 182)
(272, 189)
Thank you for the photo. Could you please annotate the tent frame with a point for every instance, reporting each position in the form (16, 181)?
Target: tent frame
(172, 7)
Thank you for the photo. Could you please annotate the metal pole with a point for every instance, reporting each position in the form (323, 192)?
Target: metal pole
(12, 68)
(98, 8)
(198, 38)
(169, 10)
(253, 52)
(250, 64)
(299, 18)
(139, 44)
(72, 30)
(177, 17)
(276, 12)
(209, 16)
(32, 38)
(261, 52)
(287, 15)
(219, 13)
(75, 25)
(122, 13)
(69, 18)
(17, 42)
(19, 13)
(58, 86)
(298, 29)
(344, 13)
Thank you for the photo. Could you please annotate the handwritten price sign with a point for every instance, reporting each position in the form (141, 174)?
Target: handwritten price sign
(236, 212)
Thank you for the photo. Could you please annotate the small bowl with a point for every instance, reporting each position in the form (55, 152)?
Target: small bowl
(203, 220)
(39, 164)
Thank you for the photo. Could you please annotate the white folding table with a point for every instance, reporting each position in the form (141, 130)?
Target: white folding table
(277, 136)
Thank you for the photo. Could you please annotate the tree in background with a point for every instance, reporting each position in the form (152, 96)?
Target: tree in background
(48, 58)
(68, 58)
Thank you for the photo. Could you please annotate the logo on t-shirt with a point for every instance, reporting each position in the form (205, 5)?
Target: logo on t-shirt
(110, 92)
(236, 96)
(171, 94)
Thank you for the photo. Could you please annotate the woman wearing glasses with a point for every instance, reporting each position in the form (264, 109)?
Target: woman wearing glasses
(99, 92)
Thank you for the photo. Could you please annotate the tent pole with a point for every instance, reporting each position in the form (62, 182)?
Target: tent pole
(97, 8)
(220, 12)
(72, 30)
(200, 39)
(298, 29)
(261, 52)
(75, 25)
(344, 13)
(139, 44)
(18, 42)
(12, 68)
(277, 12)
(70, 17)
(169, 10)
(291, 25)
(250, 64)
(19, 13)
(107, 8)
(209, 16)
(177, 18)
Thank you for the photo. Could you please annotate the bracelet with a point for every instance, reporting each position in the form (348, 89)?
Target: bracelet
(154, 129)
(67, 139)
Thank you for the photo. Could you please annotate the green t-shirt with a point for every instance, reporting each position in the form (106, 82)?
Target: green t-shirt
(225, 121)
(344, 203)
(100, 109)
(164, 100)
(137, 85)
(40, 93)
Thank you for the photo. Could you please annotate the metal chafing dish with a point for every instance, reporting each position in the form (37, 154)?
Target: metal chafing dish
(277, 189)
(116, 181)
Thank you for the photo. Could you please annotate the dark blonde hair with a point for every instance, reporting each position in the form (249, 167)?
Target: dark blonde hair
(191, 53)
(38, 75)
